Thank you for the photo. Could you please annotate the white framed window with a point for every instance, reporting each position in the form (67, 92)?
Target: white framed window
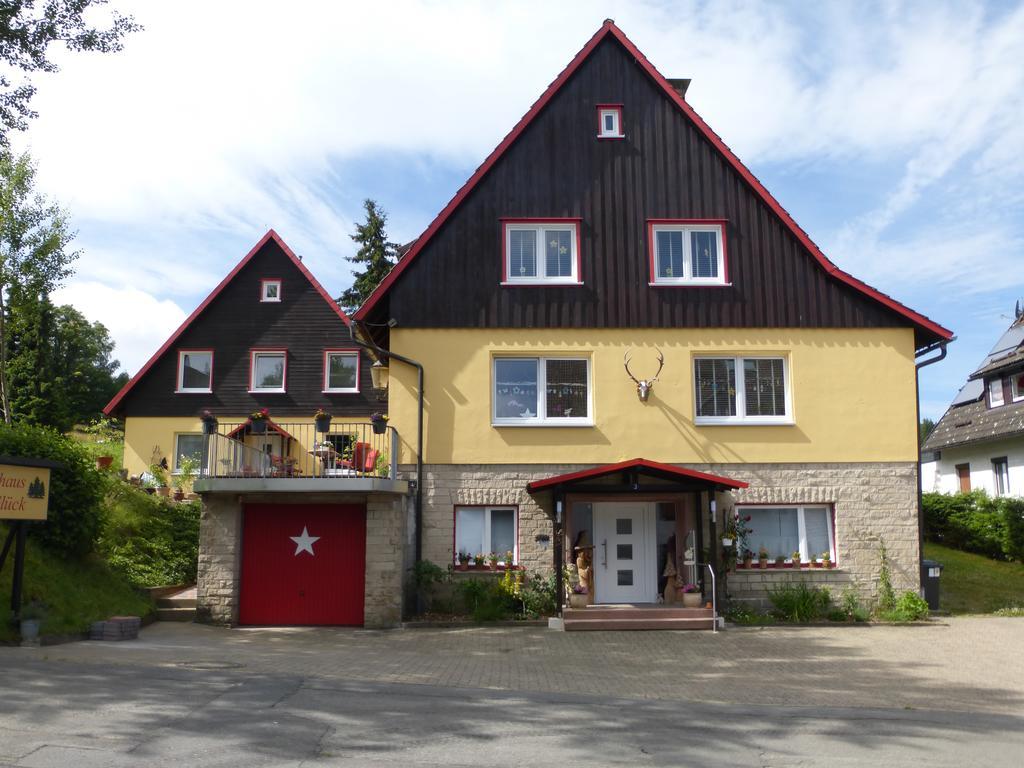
(541, 391)
(1001, 476)
(1017, 387)
(483, 530)
(687, 253)
(609, 121)
(195, 370)
(270, 290)
(541, 252)
(268, 370)
(785, 529)
(742, 390)
(341, 370)
(188, 444)
(995, 393)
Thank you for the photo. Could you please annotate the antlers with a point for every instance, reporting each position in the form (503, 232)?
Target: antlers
(643, 387)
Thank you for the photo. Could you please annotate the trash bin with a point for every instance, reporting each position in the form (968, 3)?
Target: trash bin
(931, 571)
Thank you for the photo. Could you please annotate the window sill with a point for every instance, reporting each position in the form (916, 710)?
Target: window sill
(788, 567)
(268, 391)
(726, 422)
(270, 301)
(193, 391)
(610, 137)
(551, 423)
(538, 283)
(486, 569)
(689, 284)
(339, 391)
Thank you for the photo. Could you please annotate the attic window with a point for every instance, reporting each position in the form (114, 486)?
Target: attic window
(539, 251)
(195, 370)
(609, 121)
(1017, 387)
(995, 393)
(270, 290)
(686, 252)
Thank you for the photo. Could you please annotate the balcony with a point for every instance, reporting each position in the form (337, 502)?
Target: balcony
(247, 457)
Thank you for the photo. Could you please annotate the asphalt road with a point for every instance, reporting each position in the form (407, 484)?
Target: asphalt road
(60, 713)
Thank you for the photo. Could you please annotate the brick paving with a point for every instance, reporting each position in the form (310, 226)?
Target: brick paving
(962, 664)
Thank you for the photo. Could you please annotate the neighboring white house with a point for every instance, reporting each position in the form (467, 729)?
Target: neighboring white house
(979, 441)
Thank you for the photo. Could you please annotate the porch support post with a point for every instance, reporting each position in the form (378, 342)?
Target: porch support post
(713, 536)
(559, 543)
(698, 545)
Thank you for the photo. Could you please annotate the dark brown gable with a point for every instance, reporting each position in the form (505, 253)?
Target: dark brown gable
(665, 167)
(234, 322)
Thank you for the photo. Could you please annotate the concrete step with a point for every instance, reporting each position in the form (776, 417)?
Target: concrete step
(176, 602)
(626, 625)
(621, 612)
(175, 614)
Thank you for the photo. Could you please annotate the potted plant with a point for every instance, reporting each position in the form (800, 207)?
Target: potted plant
(492, 560)
(578, 597)
(478, 560)
(826, 559)
(815, 563)
(187, 466)
(748, 558)
(780, 561)
(690, 595)
(104, 462)
(159, 472)
(762, 557)
(31, 618)
(258, 421)
(463, 558)
(510, 558)
(379, 422)
(796, 559)
(322, 419)
(209, 423)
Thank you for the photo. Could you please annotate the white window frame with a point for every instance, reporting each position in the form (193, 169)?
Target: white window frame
(538, 227)
(741, 394)
(687, 277)
(180, 387)
(263, 291)
(616, 131)
(805, 556)
(328, 354)
(487, 531)
(253, 355)
(1016, 389)
(177, 454)
(542, 419)
(996, 386)
(1001, 478)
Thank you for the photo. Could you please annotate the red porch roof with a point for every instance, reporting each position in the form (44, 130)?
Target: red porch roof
(643, 465)
(271, 426)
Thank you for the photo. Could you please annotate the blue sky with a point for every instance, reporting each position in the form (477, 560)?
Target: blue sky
(892, 132)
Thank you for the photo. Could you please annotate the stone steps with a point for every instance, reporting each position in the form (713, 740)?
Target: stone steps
(175, 608)
(628, 618)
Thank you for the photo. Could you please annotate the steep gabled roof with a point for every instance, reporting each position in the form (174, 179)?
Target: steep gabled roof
(609, 29)
(270, 236)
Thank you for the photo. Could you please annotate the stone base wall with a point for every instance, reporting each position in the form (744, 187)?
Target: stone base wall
(873, 502)
(751, 588)
(220, 537)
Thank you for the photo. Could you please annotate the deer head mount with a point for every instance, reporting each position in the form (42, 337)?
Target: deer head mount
(644, 386)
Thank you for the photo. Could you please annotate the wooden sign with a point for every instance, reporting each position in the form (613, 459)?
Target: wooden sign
(24, 492)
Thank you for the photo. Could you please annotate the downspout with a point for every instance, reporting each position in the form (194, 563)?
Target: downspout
(418, 508)
(917, 425)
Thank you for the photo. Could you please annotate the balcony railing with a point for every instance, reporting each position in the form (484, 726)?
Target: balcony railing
(282, 450)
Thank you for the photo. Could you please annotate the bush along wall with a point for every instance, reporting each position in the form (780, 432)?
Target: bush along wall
(76, 489)
(975, 522)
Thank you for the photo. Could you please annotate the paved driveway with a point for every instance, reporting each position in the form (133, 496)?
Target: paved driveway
(959, 664)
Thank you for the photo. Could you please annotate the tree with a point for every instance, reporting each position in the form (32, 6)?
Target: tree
(34, 255)
(26, 34)
(375, 251)
(924, 429)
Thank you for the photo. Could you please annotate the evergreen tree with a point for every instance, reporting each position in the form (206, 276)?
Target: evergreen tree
(375, 251)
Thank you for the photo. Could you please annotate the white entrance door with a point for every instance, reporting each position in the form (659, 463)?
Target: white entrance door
(624, 553)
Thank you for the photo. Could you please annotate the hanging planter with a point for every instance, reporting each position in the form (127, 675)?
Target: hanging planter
(209, 423)
(258, 422)
(379, 422)
(323, 421)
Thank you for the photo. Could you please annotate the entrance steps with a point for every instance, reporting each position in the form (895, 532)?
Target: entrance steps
(180, 606)
(629, 617)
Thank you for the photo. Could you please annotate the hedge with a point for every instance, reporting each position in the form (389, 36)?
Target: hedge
(975, 522)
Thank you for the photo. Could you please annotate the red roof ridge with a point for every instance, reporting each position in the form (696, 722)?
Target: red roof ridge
(270, 235)
(609, 28)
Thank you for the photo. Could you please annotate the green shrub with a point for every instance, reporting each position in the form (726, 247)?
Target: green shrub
(744, 616)
(76, 489)
(539, 596)
(971, 522)
(910, 606)
(800, 603)
(1013, 525)
(886, 594)
(425, 577)
(486, 600)
(150, 540)
(851, 607)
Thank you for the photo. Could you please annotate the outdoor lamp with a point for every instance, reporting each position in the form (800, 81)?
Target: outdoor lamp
(379, 378)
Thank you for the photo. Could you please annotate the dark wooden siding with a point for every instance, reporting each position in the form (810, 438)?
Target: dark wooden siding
(664, 168)
(236, 322)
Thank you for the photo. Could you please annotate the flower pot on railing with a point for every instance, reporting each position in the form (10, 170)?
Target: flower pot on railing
(322, 421)
(209, 423)
(379, 422)
(258, 422)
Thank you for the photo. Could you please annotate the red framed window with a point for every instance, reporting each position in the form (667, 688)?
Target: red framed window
(482, 530)
(341, 371)
(541, 252)
(270, 289)
(609, 121)
(687, 252)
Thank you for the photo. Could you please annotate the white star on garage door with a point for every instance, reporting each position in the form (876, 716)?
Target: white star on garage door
(304, 543)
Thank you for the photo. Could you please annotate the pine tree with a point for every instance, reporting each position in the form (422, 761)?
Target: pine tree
(375, 251)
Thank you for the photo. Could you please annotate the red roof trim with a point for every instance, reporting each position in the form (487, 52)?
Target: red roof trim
(607, 469)
(271, 424)
(609, 28)
(271, 235)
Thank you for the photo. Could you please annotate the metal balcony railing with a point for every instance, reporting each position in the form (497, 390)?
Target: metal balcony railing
(283, 450)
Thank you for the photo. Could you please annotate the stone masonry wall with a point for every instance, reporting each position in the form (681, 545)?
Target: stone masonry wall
(873, 502)
(220, 536)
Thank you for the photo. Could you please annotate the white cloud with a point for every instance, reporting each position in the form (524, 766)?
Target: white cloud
(138, 321)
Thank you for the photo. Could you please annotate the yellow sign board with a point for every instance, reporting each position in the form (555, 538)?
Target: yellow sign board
(24, 492)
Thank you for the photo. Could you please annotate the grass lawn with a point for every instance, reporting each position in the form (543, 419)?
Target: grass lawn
(75, 593)
(974, 584)
(101, 445)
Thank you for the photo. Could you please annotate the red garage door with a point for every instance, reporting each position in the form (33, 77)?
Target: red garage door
(303, 564)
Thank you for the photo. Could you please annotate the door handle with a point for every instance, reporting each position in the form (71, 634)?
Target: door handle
(605, 545)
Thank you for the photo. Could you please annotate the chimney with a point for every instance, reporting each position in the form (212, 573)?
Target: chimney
(680, 84)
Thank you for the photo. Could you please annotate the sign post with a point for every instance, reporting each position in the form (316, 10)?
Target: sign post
(24, 496)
